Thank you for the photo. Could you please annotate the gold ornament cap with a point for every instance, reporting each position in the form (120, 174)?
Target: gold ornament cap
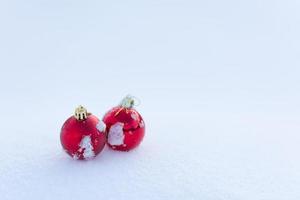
(80, 113)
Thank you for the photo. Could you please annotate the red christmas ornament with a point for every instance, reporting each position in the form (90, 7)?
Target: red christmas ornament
(83, 135)
(125, 126)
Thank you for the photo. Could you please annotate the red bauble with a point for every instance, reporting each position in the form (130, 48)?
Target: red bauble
(125, 126)
(83, 135)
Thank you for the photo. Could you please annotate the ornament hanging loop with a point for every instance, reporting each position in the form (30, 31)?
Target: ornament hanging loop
(130, 101)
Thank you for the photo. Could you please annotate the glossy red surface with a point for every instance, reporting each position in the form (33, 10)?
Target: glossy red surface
(73, 133)
(133, 127)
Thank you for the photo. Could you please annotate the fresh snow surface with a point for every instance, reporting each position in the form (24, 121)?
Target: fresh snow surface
(218, 81)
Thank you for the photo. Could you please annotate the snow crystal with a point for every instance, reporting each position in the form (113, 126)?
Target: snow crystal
(116, 135)
(101, 126)
(87, 147)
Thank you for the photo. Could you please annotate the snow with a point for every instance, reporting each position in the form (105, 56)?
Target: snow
(75, 156)
(134, 116)
(218, 83)
(86, 147)
(101, 126)
(115, 134)
(142, 124)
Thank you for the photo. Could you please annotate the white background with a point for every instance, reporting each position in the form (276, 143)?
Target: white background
(219, 85)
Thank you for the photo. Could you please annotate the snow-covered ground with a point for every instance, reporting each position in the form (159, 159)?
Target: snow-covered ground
(219, 84)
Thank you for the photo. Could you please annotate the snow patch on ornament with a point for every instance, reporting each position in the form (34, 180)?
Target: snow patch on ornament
(116, 134)
(75, 156)
(101, 126)
(142, 125)
(87, 147)
(134, 116)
